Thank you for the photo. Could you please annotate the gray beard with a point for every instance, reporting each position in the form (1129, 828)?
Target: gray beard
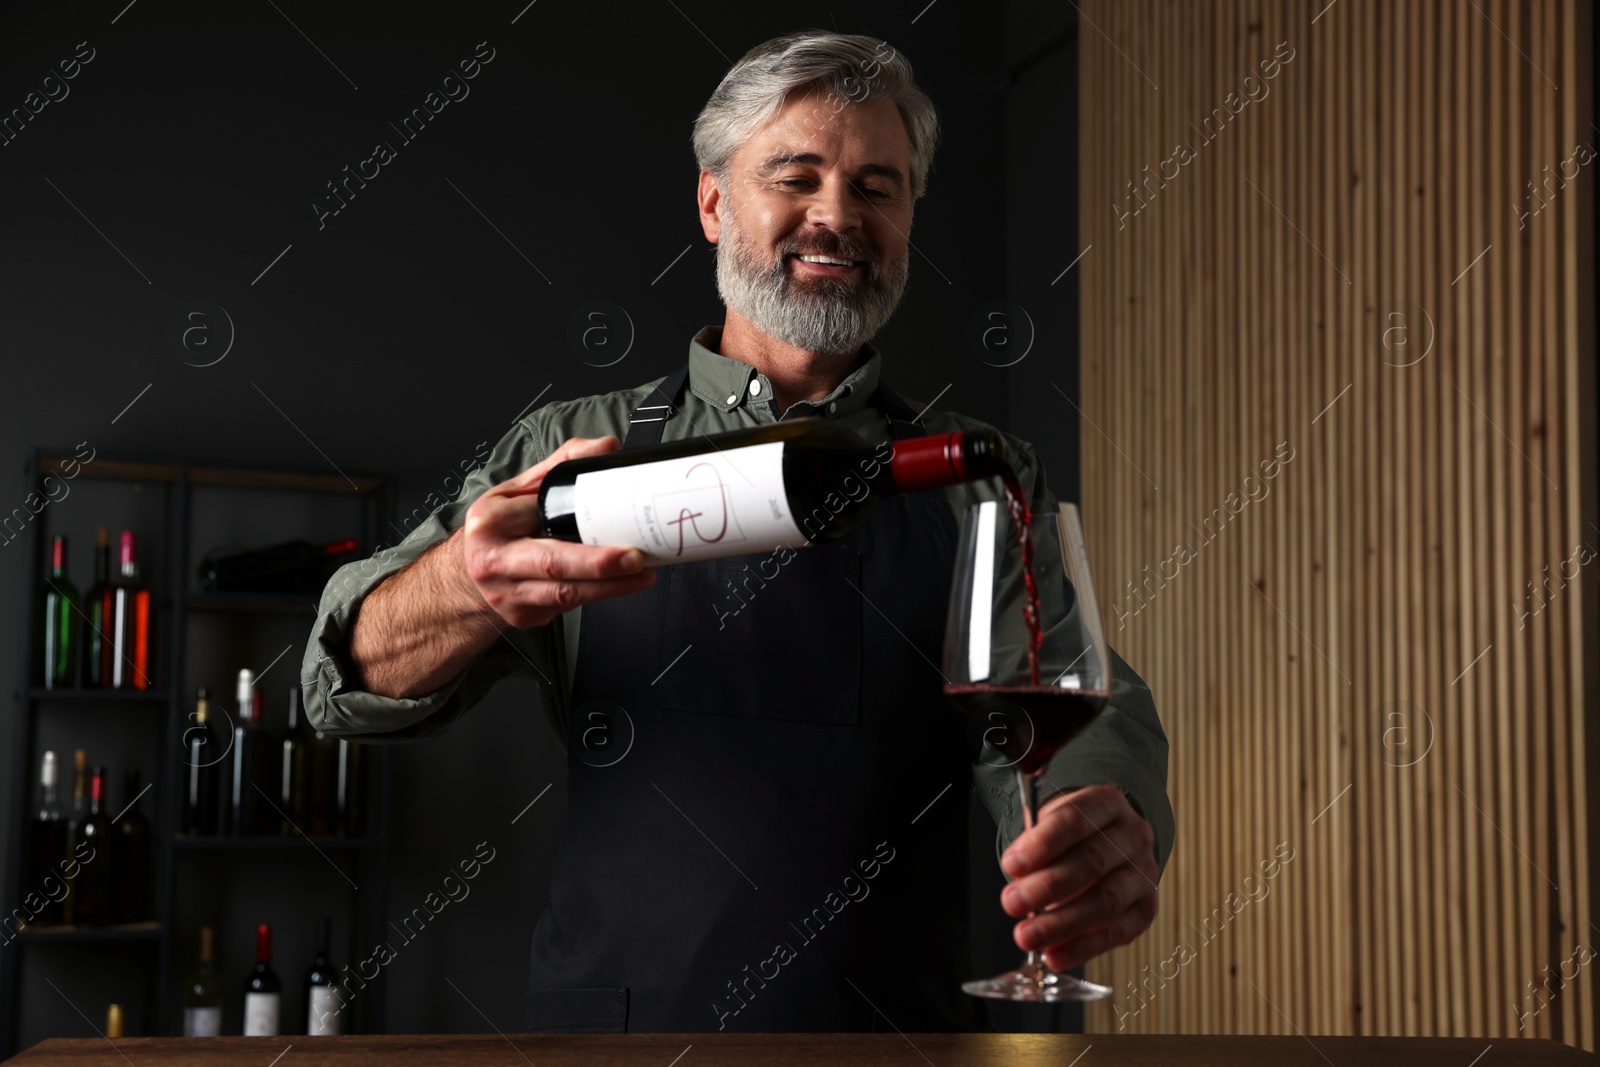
(829, 316)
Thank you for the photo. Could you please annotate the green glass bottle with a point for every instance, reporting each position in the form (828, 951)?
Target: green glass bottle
(60, 623)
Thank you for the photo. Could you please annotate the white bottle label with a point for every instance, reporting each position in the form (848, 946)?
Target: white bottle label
(324, 1018)
(202, 1022)
(261, 1014)
(699, 507)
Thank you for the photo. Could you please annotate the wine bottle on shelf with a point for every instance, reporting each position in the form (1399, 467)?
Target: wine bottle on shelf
(130, 856)
(91, 847)
(128, 613)
(202, 999)
(262, 994)
(48, 847)
(324, 1002)
(323, 800)
(80, 811)
(113, 1021)
(294, 777)
(750, 490)
(255, 767)
(352, 789)
(60, 625)
(96, 644)
(204, 748)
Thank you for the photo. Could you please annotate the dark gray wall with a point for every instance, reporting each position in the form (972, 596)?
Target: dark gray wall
(412, 325)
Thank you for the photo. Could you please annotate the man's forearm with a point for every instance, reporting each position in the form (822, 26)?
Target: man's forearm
(422, 626)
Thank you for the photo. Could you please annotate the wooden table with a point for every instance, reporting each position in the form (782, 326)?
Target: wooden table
(803, 1050)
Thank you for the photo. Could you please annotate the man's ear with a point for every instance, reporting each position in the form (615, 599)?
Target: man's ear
(709, 198)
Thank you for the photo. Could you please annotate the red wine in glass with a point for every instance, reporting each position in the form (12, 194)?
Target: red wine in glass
(1027, 724)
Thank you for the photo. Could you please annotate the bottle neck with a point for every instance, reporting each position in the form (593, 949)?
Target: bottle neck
(945, 459)
(97, 792)
(58, 558)
(263, 946)
(128, 557)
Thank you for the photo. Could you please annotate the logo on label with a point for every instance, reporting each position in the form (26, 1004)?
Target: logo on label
(701, 514)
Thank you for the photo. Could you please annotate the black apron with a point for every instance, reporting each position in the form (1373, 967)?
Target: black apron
(767, 795)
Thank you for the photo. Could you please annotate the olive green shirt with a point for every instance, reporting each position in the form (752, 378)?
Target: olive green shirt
(1125, 746)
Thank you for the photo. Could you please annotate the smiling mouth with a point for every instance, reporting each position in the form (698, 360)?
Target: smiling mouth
(816, 263)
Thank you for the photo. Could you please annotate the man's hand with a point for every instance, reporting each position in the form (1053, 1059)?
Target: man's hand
(1088, 871)
(423, 625)
(528, 581)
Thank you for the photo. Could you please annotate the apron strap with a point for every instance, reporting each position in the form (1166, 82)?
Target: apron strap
(650, 417)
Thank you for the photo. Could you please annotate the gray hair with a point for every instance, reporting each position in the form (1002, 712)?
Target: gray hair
(848, 68)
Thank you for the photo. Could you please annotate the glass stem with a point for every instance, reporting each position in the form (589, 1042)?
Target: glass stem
(1034, 964)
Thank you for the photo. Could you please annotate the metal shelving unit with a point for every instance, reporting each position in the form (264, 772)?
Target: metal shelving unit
(178, 860)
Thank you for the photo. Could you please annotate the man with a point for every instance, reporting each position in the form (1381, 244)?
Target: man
(774, 849)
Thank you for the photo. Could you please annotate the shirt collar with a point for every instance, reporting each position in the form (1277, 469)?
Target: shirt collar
(726, 383)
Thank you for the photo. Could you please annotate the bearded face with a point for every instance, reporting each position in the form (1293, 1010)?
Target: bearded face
(831, 301)
(812, 222)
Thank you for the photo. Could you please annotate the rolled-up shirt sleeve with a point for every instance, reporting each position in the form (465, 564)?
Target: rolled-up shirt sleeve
(333, 702)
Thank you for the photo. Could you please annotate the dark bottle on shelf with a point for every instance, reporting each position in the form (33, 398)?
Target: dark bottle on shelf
(322, 803)
(47, 847)
(95, 640)
(75, 817)
(61, 609)
(202, 997)
(263, 996)
(91, 847)
(252, 767)
(324, 1002)
(352, 789)
(130, 856)
(294, 771)
(125, 663)
(205, 748)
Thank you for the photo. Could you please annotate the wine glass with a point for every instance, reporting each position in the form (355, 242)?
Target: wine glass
(1025, 659)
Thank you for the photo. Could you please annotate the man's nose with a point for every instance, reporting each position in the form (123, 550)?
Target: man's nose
(835, 206)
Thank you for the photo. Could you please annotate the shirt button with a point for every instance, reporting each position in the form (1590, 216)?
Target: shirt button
(733, 398)
(833, 407)
(755, 387)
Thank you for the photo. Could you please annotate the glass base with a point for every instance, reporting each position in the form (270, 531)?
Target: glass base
(1039, 986)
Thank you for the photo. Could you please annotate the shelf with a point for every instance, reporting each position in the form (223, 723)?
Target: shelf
(100, 696)
(145, 931)
(198, 843)
(261, 603)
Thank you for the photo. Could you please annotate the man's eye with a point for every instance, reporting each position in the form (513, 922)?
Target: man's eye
(792, 182)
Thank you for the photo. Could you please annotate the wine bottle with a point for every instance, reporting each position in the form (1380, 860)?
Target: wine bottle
(262, 993)
(324, 1004)
(60, 629)
(752, 490)
(352, 789)
(323, 801)
(79, 812)
(48, 847)
(202, 999)
(128, 611)
(113, 1021)
(250, 755)
(294, 770)
(91, 846)
(130, 856)
(96, 646)
(295, 566)
(204, 752)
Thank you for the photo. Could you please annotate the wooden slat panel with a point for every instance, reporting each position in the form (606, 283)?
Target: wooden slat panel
(1348, 662)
